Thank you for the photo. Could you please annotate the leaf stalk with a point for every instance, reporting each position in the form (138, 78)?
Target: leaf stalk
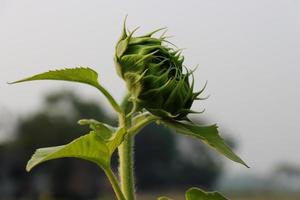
(114, 182)
(111, 100)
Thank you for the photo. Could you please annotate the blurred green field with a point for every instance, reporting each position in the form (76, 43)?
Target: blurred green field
(268, 198)
(152, 197)
(180, 196)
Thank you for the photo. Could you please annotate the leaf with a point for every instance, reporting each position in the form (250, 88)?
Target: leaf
(208, 134)
(80, 74)
(140, 121)
(112, 136)
(102, 130)
(116, 140)
(88, 147)
(198, 194)
(164, 198)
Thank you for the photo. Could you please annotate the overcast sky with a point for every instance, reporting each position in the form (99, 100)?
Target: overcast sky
(249, 51)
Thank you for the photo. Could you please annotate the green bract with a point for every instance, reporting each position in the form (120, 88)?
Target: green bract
(155, 75)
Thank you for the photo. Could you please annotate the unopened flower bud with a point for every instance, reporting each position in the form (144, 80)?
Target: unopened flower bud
(155, 75)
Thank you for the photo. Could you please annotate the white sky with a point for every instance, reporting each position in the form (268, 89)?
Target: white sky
(249, 51)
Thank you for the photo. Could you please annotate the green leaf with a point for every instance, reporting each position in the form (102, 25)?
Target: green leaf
(198, 194)
(208, 134)
(97, 146)
(116, 139)
(102, 130)
(88, 147)
(80, 74)
(164, 198)
(141, 121)
(112, 136)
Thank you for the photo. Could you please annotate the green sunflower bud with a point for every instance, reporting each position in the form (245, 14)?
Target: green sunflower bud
(155, 75)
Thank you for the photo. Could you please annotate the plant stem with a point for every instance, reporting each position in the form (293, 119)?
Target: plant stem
(114, 182)
(126, 167)
(126, 157)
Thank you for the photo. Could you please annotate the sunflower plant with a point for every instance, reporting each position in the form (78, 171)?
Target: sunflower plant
(160, 89)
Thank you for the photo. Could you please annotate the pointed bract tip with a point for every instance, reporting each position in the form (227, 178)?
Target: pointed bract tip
(124, 32)
(155, 31)
(132, 32)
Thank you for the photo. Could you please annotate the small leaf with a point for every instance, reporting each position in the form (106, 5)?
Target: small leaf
(80, 74)
(208, 134)
(112, 136)
(102, 130)
(198, 194)
(88, 147)
(141, 121)
(164, 198)
(116, 140)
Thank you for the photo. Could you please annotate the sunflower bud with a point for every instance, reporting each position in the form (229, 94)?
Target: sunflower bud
(155, 75)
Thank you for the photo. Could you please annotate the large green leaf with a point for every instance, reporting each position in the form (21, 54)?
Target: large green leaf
(81, 74)
(208, 134)
(89, 147)
(97, 146)
(198, 194)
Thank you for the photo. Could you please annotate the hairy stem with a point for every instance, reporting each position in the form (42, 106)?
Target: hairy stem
(114, 182)
(126, 168)
(126, 157)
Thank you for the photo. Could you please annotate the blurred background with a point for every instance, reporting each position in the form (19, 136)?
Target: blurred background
(247, 50)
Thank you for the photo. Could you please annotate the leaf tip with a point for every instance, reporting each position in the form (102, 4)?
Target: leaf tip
(240, 161)
(82, 122)
(28, 167)
(12, 82)
(246, 165)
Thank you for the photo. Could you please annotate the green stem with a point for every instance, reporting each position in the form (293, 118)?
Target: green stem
(114, 182)
(126, 167)
(126, 157)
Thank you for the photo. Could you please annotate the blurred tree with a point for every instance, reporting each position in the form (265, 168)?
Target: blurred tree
(162, 159)
(55, 124)
(165, 160)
